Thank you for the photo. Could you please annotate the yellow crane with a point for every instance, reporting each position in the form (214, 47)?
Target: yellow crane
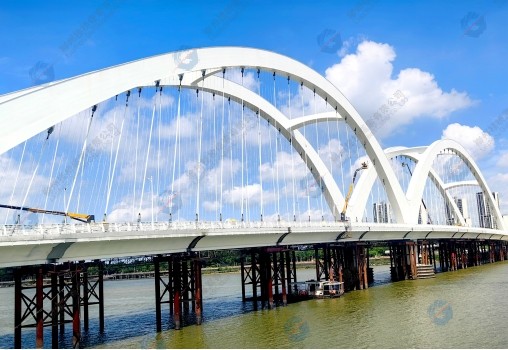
(346, 200)
(75, 216)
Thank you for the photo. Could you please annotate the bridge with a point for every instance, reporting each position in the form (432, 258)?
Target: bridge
(221, 148)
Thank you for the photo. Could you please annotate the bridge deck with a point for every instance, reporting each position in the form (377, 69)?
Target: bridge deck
(27, 245)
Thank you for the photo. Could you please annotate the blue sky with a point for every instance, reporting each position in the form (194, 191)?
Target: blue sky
(450, 56)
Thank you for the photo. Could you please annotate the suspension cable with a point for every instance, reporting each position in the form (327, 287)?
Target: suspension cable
(200, 143)
(242, 147)
(51, 171)
(277, 142)
(159, 149)
(81, 157)
(110, 186)
(222, 147)
(16, 180)
(50, 130)
(305, 160)
(147, 155)
(260, 158)
(176, 145)
(292, 153)
(136, 155)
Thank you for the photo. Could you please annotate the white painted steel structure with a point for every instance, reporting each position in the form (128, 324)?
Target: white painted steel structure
(72, 242)
(26, 113)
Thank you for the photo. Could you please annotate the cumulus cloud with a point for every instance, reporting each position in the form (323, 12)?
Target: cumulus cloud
(251, 193)
(285, 168)
(477, 142)
(367, 79)
(331, 153)
(184, 128)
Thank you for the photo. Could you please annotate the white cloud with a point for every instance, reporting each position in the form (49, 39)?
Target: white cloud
(186, 128)
(366, 79)
(302, 103)
(248, 81)
(502, 162)
(477, 142)
(226, 168)
(211, 205)
(285, 168)
(332, 153)
(250, 193)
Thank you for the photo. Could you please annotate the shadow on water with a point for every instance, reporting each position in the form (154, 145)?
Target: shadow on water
(133, 325)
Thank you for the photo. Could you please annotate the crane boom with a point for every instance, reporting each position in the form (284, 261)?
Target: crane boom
(76, 216)
(350, 192)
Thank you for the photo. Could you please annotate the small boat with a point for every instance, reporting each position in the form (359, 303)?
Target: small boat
(317, 289)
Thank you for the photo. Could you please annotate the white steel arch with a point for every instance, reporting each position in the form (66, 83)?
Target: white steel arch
(277, 119)
(424, 156)
(43, 107)
(422, 170)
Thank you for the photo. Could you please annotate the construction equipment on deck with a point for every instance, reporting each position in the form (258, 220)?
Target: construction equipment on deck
(350, 192)
(76, 216)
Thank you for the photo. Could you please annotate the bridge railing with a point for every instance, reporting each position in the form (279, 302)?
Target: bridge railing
(14, 233)
(105, 227)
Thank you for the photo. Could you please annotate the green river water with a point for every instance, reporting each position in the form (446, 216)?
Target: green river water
(461, 309)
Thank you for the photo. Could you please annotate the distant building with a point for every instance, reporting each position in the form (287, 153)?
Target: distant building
(450, 217)
(423, 216)
(496, 198)
(484, 212)
(382, 212)
(462, 205)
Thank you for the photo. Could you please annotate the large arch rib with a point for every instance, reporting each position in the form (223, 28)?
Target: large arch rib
(366, 181)
(422, 170)
(278, 120)
(44, 107)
